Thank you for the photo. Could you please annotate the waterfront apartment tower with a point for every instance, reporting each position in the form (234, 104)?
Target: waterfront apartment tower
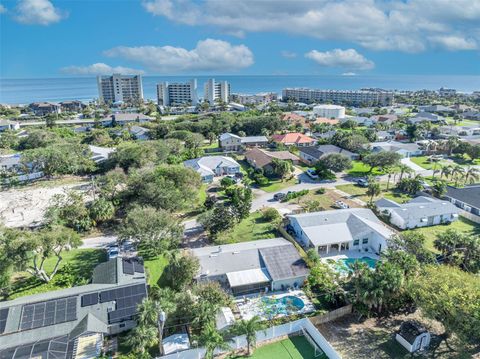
(115, 88)
(341, 97)
(215, 92)
(175, 94)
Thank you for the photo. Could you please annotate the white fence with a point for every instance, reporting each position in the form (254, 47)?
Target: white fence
(267, 335)
(470, 216)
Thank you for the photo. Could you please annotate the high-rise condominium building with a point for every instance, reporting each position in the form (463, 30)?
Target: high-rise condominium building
(362, 97)
(126, 88)
(216, 91)
(174, 94)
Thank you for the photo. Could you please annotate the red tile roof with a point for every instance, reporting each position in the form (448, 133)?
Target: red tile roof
(293, 137)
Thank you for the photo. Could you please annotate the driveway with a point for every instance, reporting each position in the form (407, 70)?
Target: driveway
(406, 161)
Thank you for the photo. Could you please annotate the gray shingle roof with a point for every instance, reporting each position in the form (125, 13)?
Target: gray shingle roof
(283, 262)
(420, 207)
(468, 194)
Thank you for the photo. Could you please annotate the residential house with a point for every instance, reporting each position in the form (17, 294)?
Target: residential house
(9, 125)
(436, 109)
(230, 142)
(425, 117)
(419, 212)
(72, 106)
(459, 130)
(70, 323)
(472, 115)
(404, 149)
(11, 163)
(386, 119)
(324, 135)
(139, 133)
(121, 119)
(44, 108)
(252, 267)
(294, 139)
(100, 154)
(331, 232)
(384, 136)
(262, 159)
(466, 198)
(359, 120)
(413, 337)
(210, 166)
(310, 155)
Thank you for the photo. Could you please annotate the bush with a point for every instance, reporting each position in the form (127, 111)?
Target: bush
(320, 191)
(293, 195)
(227, 182)
(260, 179)
(271, 214)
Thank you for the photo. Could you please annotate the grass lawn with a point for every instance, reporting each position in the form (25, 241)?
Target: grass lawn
(464, 160)
(361, 193)
(359, 169)
(252, 228)
(423, 162)
(450, 121)
(82, 262)
(278, 185)
(292, 348)
(462, 225)
(325, 200)
(155, 268)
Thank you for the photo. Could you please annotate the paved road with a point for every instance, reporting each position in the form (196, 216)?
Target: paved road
(99, 242)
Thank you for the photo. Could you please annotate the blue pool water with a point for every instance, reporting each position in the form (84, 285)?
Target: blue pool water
(345, 264)
(287, 305)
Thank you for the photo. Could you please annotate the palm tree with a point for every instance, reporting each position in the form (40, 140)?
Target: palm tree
(471, 174)
(373, 190)
(142, 337)
(446, 171)
(212, 340)
(457, 173)
(452, 143)
(148, 311)
(359, 271)
(248, 328)
(404, 169)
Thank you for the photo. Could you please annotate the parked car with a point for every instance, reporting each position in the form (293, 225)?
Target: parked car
(362, 182)
(112, 252)
(279, 196)
(341, 205)
(311, 173)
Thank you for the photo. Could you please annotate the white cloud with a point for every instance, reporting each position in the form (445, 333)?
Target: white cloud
(100, 69)
(347, 59)
(3, 9)
(208, 55)
(409, 26)
(455, 43)
(288, 54)
(38, 12)
(349, 74)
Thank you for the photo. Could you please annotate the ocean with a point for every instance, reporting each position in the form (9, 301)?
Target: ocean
(24, 91)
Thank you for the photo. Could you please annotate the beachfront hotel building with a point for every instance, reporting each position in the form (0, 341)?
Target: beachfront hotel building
(216, 91)
(120, 88)
(174, 94)
(356, 97)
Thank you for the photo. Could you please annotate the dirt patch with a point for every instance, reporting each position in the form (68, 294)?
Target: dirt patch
(23, 207)
(374, 338)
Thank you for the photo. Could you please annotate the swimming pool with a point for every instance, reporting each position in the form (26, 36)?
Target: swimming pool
(345, 264)
(282, 306)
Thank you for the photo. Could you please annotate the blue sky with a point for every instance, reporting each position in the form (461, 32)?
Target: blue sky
(43, 38)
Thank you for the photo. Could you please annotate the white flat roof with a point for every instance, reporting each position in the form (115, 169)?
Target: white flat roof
(249, 276)
(175, 343)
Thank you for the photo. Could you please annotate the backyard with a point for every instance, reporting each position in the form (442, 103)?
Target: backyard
(462, 225)
(424, 162)
(361, 193)
(375, 338)
(154, 268)
(325, 200)
(79, 262)
(252, 228)
(291, 348)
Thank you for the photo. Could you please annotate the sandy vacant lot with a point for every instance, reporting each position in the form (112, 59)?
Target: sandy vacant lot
(25, 206)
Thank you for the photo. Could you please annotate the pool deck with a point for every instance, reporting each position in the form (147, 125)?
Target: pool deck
(251, 305)
(354, 254)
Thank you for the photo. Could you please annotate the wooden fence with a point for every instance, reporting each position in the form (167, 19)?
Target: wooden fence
(334, 314)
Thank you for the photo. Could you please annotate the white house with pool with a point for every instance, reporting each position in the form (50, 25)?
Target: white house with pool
(352, 231)
(252, 267)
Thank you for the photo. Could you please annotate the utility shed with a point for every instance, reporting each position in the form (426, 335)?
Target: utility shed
(413, 336)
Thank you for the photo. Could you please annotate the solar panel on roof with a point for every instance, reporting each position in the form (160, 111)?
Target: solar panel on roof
(128, 267)
(51, 312)
(138, 266)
